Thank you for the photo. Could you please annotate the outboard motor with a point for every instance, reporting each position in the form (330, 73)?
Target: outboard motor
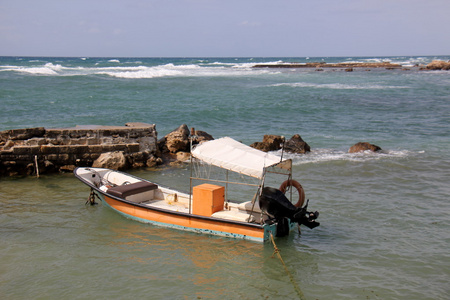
(275, 203)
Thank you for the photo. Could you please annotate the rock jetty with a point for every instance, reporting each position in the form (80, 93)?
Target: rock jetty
(438, 65)
(40, 150)
(349, 67)
(35, 151)
(320, 65)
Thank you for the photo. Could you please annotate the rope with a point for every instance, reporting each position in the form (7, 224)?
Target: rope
(91, 198)
(277, 252)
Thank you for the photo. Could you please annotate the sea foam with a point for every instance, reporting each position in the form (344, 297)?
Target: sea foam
(141, 71)
(329, 155)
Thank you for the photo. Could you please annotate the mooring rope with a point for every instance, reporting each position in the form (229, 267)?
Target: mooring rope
(91, 198)
(277, 252)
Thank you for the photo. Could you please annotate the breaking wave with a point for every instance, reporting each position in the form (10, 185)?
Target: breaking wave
(330, 155)
(136, 72)
(47, 69)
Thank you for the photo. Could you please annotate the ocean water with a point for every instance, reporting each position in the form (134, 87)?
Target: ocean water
(385, 230)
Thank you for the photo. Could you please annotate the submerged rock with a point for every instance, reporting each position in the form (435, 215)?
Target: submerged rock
(363, 146)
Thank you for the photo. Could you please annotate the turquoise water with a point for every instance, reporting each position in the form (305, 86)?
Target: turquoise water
(384, 230)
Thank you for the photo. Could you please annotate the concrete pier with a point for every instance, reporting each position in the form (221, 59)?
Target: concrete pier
(25, 151)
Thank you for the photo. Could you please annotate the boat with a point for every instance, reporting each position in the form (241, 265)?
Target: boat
(266, 212)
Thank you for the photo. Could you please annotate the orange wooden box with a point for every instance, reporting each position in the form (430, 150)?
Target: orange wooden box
(208, 199)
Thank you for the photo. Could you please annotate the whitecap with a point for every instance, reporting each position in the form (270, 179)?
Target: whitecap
(329, 155)
(46, 70)
(140, 72)
(114, 61)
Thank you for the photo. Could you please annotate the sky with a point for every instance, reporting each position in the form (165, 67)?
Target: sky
(224, 28)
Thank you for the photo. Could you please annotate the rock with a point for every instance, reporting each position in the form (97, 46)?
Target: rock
(8, 145)
(274, 142)
(438, 65)
(363, 146)
(139, 124)
(177, 140)
(297, 145)
(200, 136)
(327, 65)
(111, 160)
(24, 134)
(153, 161)
(48, 166)
(270, 143)
(30, 169)
(183, 156)
(67, 168)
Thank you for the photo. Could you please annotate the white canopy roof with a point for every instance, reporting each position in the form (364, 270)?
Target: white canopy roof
(229, 154)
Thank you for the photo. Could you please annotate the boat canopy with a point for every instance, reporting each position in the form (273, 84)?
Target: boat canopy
(232, 155)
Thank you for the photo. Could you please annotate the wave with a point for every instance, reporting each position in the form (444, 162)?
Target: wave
(47, 69)
(405, 61)
(339, 86)
(136, 72)
(329, 155)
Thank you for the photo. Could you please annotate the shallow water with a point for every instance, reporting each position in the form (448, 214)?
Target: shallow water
(384, 230)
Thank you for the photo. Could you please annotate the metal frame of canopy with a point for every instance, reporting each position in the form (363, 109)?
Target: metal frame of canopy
(231, 155)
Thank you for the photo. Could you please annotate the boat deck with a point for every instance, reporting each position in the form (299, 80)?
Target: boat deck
(168, 205)
(233, 211)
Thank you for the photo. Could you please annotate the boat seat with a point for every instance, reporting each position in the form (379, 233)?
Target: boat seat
(233, 215)
(123, 191)
(247, 206)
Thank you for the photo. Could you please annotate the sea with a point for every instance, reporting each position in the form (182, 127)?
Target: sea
(385, 217)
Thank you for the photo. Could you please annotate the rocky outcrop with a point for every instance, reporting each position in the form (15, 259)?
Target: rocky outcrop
(175, 141)
(199, 136)
(270, 142)
(175, 146)
(363, 146)
(346, 66)
(275, 142)
(111, 160)
(297, 145)
(438, 65)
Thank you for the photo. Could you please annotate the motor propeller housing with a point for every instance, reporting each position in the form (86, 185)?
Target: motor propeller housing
(274, 203)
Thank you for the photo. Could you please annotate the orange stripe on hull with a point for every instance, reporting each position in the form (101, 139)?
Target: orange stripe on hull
(189, 222)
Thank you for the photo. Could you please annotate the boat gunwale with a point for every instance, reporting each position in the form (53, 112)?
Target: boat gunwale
(162, 210)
